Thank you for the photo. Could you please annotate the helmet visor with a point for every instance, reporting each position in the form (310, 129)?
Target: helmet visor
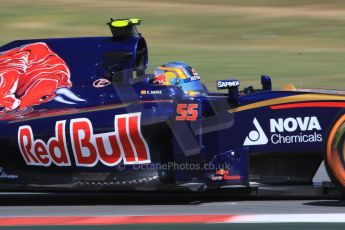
(193, 86)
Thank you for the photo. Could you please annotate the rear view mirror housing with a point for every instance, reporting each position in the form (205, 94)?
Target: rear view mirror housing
(232, 86)
(266, 82)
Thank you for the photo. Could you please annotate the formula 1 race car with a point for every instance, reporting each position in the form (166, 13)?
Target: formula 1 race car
(82, 114)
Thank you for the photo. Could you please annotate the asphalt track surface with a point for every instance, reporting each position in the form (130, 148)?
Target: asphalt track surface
(172, 203)
(147, 204)
(103, 204)
(115, 204)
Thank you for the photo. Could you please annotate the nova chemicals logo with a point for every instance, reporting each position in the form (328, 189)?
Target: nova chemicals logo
(295, 130)
(256, 137)
(286, 131)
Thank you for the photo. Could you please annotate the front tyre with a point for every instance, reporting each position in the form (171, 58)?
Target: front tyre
(335, 154)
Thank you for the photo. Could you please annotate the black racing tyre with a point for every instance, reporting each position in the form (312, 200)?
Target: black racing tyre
(335, 154)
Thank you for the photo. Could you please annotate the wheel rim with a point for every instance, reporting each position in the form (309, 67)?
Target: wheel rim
(336, 151)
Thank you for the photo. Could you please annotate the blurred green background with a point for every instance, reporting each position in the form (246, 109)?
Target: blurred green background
(299, 41)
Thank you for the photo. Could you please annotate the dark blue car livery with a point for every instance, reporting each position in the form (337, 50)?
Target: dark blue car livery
(107, 127)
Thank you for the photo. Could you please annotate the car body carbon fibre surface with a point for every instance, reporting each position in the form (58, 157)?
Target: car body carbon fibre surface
(81, 114)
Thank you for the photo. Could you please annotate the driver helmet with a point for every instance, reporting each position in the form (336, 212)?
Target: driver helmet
(179, 74)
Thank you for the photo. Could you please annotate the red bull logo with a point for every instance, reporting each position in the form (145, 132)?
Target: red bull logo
(224, 174)
(161, 79)
(31, 75)
(125, 144)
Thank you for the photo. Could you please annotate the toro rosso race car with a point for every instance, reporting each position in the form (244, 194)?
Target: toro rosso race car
(83, 114)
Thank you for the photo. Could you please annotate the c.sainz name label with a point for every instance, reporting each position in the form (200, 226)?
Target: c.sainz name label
(125, 144)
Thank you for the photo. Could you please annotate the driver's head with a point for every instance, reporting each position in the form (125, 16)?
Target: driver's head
(179, 74)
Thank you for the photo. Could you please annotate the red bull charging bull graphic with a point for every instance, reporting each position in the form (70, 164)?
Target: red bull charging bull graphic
(32, 75)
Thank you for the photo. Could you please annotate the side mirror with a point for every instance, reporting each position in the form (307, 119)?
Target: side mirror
(266, 82)
(231, 85)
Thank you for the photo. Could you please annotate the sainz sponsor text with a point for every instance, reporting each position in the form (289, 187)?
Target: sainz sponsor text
(125, 144)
